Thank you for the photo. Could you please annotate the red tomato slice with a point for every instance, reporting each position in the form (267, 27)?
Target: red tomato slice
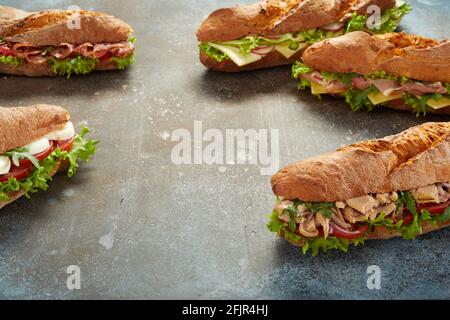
(355, 233)
(19, 173)
(4, 51)
(434, 209)
(106, 56)
(407, 219)
(40, 156)
(65, 145)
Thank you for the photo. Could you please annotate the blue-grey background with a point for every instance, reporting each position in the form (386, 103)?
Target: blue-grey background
(139, 226)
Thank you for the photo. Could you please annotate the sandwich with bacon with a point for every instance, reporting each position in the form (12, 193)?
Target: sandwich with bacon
(35, 143)
(395, 70)
(275, 32)
(374, 189)
(62, 42)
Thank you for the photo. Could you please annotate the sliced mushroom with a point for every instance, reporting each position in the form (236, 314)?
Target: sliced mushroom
(383, 198)
(324, 222)
(362, 204)
(280, 206)
(307, 226)
(394, 196)
(353, 216)
(340, 204)
(426, 194)
(337, 218)
(387, 209)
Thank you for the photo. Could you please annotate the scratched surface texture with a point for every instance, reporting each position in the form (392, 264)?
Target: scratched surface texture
(139, 226)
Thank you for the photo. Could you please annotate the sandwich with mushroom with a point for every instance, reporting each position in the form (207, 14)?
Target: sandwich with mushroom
(275, 32)
(62, 42)
(398, 186)
(35, 143)
(396, 70)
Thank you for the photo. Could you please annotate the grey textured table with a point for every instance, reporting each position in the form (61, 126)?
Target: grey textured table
(139, 226)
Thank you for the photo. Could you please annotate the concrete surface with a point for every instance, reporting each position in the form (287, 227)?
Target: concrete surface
(139, 226)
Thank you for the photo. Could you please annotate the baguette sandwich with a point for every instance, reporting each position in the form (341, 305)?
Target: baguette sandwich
(62, 42)
(275, 32)
(35, 143)
(395, 70)
(375, 189)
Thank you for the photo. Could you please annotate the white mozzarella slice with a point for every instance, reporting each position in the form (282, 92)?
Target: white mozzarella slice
(5, 164)
(37, 146)
(65, 133)
(235, 54)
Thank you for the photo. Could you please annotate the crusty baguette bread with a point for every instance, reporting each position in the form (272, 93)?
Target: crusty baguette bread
(411, 159)
(396, 53)
(13, 196)
(278, 17)
(22, 125)
(53, 27)
(274, 17)
(43, 69)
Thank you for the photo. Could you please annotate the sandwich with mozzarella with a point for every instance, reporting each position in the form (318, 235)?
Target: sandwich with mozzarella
(395, 70)
(375, 189)
(62, 42)
(35, 143)
(275, 32)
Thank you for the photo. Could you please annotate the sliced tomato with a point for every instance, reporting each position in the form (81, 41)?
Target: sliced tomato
(106, 56)
(434, 209)
(19, 173)
(65, 145)
(355, 233)
(40, 156)
(4, 51)
(407, 218)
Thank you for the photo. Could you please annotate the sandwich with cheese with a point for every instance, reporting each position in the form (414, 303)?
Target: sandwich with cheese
(35, 143)
(395, 70)
(374, 189)
(62, 42)
(275, 32)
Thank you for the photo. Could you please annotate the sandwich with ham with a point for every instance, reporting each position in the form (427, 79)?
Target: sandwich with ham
(35, 143)
(62, 42)
(395, 70)
(275, 32)
(398, 186)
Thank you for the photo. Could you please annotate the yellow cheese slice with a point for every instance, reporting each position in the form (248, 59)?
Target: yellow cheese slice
(235, 54)
(317, 88)
(286, 51)
(438, 104)
(378, 97)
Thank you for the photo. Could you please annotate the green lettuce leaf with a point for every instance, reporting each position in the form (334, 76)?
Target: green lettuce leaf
(346, 78)
(18, 154)
(356, 23)
(358, 100)
(390, 19)
(213, 52)
(10, 60)
(419, 105)
(315, 245)
(123, 63)
(82, 149)
(77, 65)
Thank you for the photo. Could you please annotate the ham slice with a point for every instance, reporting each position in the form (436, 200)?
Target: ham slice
(418, 89)
(334, 86)
(62, 51)
(386, 86)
